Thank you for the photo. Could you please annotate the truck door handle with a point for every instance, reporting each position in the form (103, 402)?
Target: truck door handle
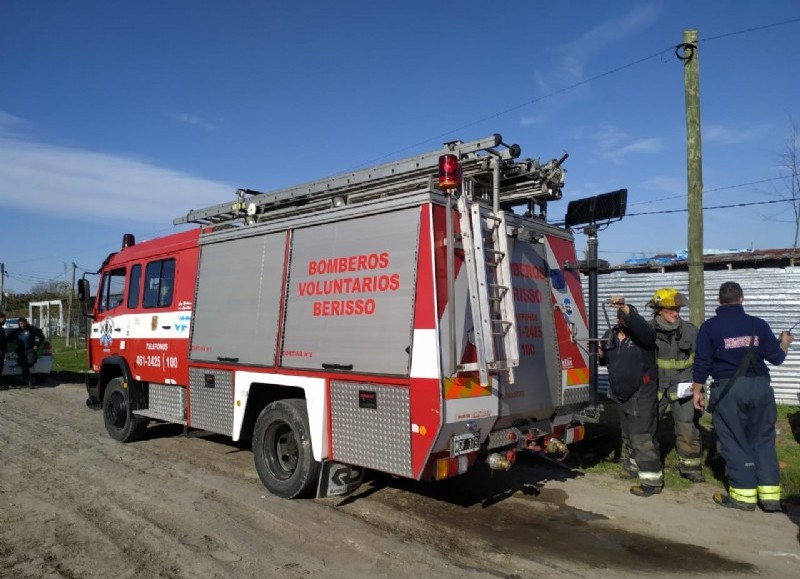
(117, 329)
(337, 366)
(165, 327)
(225, 359)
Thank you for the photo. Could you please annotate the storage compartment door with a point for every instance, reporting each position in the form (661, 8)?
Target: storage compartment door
(239, 300)
(351, 295)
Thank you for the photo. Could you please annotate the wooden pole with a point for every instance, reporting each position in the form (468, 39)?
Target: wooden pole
(694, 172)
(69, 304)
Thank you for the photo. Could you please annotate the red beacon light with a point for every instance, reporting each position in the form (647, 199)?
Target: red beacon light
(449, 172)
(128, 240)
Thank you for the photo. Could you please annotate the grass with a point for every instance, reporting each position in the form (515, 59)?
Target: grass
(599, 452)
(70, 358)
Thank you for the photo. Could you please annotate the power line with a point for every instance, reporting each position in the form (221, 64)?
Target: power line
(575, 85)
(748, 30)
(726, 187)
(710, 208)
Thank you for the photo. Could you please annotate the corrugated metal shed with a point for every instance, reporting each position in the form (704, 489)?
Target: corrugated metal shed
(771, 294)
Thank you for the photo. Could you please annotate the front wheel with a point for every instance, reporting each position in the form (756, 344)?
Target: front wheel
(282, 449)
(121, 423)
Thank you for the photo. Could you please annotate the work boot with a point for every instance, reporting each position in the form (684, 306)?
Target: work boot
(726, 501)
(645, 490)
(695, 476)
(771, 506)
(628, 474)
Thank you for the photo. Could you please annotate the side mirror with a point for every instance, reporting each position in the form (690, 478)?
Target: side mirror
(83, 290)
(85, 297)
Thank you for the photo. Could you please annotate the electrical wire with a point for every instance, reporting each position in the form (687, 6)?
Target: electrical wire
(732, 205)
(725, 188)
(575, 85)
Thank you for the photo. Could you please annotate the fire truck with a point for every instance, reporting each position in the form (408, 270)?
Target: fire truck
(411, 318)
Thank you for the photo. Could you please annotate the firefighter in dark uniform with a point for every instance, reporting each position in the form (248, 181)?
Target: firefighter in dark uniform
(731, 348)
(27, 340)
(675, 342)
(2, 342)
(628, 349)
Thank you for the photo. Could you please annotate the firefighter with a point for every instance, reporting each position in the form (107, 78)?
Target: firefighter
(2, 342)
(628, 349)
(675, 343)
(731, 348)
(28, 340)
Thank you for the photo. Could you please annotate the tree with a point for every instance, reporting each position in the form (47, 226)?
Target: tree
(790, 161)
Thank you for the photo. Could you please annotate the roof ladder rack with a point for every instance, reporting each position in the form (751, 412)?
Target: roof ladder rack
(397, 175)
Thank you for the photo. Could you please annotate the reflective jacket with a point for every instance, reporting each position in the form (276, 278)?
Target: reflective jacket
(675, 350)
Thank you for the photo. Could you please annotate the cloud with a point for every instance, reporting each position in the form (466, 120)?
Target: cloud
(603, 40)
(87, 185)
(730, 136)
(196, 121)
(531, 120)
(9, 124)
(614, 145)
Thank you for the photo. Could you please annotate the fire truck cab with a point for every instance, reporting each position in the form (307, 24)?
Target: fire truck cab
(411, 318)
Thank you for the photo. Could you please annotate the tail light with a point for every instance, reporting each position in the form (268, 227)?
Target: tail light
(47, 350)
(449, 172)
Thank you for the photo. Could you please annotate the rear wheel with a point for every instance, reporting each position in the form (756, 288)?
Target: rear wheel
(282, 449)
(121, 424)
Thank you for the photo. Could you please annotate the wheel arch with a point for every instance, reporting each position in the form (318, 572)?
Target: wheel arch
(117, 367)
(253, 391)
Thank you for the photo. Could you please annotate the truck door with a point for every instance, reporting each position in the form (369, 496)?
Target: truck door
(110, 327)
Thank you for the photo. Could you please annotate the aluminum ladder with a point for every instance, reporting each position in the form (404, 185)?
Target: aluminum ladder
(485, 244)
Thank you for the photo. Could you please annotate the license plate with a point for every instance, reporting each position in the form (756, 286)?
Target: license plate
(464, 443)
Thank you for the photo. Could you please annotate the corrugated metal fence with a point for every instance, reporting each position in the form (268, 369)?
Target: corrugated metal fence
(771, 294)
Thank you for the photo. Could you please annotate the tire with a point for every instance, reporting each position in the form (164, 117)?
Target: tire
(120, 423)
(282, 449)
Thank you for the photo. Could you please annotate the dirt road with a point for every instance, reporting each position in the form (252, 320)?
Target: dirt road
(76, 504)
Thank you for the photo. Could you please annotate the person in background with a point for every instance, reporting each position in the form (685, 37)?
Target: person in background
(628, 349)
(731, 348)
(2, 342)
(675, 343)
(28, 341)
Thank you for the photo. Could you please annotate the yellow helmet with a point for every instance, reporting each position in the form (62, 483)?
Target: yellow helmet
(667, 297)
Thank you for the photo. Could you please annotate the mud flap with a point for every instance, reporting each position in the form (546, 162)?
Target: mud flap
(338, 479)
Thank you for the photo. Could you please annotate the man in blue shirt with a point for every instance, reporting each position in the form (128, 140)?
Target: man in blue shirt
(731, 348)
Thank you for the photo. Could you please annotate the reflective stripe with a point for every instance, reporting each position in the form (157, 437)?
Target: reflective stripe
(671, 364)
(747, 496)
(691, 461)
(769, 493)
(650, 477)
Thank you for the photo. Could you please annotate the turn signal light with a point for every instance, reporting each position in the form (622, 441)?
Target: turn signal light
(449, 172)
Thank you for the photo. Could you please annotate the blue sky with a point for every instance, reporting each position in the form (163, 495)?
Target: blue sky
(118, 117)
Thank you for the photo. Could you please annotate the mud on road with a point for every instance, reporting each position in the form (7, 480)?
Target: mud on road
(76, 504)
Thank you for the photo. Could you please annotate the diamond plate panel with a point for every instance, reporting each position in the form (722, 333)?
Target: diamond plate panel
(211, 400)
(166, 402)
(576, 395)
(372, 431)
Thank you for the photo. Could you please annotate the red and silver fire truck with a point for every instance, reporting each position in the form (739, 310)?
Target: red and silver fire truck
(409, 318)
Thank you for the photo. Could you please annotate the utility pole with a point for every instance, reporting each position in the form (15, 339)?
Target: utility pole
(69, 303)
(694, 173)
(2, 280)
